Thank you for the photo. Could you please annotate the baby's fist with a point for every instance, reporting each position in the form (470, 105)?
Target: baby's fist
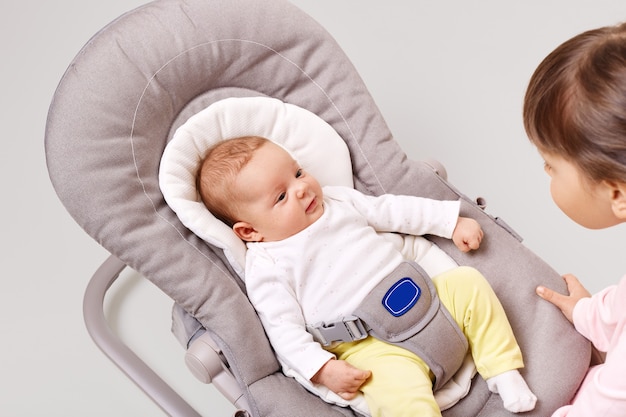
(467, 234)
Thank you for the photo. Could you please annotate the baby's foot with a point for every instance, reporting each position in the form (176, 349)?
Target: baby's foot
(516, 396)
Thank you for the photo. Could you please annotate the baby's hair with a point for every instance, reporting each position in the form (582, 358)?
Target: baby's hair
(575, 104)
(217, 173)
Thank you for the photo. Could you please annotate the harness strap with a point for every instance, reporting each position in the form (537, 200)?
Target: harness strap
(404, 309)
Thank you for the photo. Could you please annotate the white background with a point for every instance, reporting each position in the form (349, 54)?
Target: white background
(449, 77)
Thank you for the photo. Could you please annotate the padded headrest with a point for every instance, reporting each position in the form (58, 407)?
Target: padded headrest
(326, 157)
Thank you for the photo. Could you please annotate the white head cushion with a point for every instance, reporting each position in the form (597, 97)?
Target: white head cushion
(309, 139)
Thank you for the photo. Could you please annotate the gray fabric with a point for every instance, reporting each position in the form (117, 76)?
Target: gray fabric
(115, 109)
(426, 328)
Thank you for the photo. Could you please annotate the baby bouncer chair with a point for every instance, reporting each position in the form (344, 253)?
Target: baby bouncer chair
(153, 71)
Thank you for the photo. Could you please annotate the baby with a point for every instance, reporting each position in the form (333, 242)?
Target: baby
(314, 254)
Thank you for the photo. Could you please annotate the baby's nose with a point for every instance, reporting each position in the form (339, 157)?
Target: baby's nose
(301, 192)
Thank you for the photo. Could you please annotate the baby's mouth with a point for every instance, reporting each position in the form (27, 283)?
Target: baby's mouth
(312, 206)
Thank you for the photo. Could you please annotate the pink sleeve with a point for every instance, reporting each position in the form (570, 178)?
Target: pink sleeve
(602, 319)
(599, 317)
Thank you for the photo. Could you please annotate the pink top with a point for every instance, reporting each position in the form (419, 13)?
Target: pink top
(602, 319)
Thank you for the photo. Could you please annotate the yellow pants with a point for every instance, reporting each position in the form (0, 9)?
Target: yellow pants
(401, 383)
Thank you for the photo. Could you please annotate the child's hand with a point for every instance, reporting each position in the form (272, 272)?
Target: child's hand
(565, 303)
(341, 378)
(467, 234)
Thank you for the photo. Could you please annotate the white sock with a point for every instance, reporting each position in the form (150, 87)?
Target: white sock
(516, 396)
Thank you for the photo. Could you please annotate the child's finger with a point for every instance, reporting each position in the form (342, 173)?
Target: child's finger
(365, 375)
(347, 395)
(550, 295)
(474, 243)
(562, 302)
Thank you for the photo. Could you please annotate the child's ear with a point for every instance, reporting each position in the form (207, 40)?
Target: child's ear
(618, 199)
(246, 232)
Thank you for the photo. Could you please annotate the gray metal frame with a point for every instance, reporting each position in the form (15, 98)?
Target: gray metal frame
(115, 349)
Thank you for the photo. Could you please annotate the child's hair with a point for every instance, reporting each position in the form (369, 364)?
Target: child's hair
(575, 104)
(217, 173)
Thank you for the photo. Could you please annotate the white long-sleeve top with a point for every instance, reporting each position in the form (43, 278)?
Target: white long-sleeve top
(323, 273)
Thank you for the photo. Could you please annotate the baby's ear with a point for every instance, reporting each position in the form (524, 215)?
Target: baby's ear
(246, 232)
(618, 199)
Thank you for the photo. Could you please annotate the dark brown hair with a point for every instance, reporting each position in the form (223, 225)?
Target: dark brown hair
(218, 171)
(575, 104)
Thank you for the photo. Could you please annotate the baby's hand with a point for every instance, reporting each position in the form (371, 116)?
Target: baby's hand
(341, 378)
(467, 234)
(565, 303)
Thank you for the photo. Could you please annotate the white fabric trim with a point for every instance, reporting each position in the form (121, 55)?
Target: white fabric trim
(312, 142)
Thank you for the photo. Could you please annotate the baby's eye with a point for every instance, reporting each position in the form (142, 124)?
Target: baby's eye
(281, 197)
(299, 173)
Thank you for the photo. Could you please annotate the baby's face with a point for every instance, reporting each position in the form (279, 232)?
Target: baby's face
(278, 198)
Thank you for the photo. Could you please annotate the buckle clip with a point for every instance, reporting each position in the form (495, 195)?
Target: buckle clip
(348, 329)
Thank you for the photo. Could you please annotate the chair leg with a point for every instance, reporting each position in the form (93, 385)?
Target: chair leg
(120, 354)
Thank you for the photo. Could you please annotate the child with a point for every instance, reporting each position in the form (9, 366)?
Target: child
(575, 114)
(314, 254)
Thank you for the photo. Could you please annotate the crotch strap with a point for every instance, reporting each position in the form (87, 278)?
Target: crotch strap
(404, 309)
